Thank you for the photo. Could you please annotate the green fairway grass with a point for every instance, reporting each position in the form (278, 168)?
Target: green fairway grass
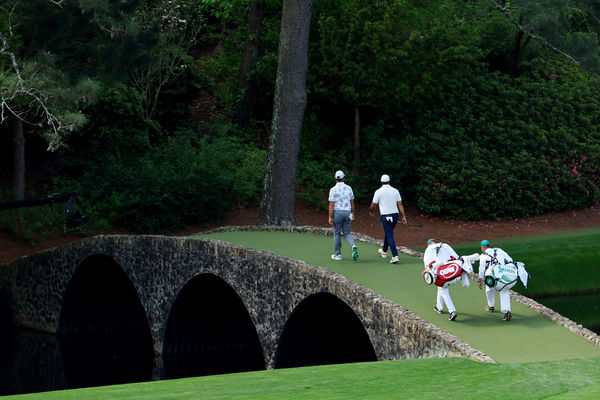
(591, 392)
(449, 378)
(528, 337)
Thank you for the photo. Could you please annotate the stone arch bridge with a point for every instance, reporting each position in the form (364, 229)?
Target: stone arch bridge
(181, 300)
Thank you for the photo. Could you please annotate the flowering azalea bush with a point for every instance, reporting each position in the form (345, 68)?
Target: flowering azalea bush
(522, 146)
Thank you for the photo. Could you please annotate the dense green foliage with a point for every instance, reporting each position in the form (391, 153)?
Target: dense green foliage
(172, 185)
(471, 118)
(461, 133)
(443, 109)
(507, 147)
(33, 224)
(133, 184)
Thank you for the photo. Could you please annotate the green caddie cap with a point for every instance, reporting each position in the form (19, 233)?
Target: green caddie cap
(485, 243)
(429, 241)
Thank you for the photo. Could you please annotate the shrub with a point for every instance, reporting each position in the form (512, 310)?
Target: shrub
(32, 224)
(180, 182)
(117, 130)
(489, 146)
(316, 177)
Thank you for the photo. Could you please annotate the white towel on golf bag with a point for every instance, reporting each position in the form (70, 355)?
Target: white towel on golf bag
(465, 279)
(467, 268)
(523, 275)
(473, 258)
(468, 262)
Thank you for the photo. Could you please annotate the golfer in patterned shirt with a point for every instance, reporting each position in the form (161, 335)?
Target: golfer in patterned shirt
(341, 214)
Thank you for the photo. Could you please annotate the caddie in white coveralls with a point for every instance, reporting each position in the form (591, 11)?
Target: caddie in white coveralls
(488, 259)
(436, 255)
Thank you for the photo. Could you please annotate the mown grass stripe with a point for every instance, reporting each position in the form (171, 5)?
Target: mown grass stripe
(449, 378)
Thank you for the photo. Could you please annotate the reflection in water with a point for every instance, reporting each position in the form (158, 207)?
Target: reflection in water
(209, 332)
(40, 362)
(30, 362)
(583, 308)
(323, 330)
(103, 330)
(103, 337)
(105, 358)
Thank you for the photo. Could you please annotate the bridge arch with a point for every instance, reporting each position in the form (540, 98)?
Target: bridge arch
(209, 331)
(103, 326)
(321, 330)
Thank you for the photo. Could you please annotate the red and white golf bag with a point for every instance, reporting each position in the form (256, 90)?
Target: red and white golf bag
(444, 275)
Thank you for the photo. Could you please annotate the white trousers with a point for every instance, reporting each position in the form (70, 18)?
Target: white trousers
(443, 297)
(504, 298)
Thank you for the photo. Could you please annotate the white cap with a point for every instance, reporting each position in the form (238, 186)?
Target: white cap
(339, 175)
(385, 178)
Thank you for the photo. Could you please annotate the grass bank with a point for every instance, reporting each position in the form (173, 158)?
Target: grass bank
(447, 379)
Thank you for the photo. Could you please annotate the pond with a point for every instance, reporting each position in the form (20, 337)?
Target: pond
(36, 362)
(583, 309)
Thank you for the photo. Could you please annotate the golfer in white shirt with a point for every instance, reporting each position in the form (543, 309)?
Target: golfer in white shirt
(390, 205)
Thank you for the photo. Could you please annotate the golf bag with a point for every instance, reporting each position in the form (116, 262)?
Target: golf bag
(444, 275)
(501, 277)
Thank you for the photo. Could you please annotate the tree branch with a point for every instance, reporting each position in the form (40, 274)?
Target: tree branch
(11, 106)
(522, 28)
(13, 59)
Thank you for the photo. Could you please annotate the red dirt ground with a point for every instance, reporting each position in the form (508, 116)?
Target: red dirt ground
(450, 231)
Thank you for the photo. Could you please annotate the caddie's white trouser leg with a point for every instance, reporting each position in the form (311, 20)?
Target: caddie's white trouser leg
(489, 294)
(443, 296)
(504, 300)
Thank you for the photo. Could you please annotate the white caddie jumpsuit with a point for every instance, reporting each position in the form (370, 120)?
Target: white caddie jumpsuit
(440, 254)
(485, 260)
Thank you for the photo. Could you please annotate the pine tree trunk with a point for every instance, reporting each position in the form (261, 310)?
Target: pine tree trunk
(255, 17)
(277, 205)
(16, 128)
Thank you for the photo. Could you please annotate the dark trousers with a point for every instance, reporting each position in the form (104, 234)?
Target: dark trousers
(389, 222)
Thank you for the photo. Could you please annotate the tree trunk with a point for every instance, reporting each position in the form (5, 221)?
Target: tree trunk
(16, 128)
(356, 138)
(277, 205)
(520, 46)
(255, 17)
